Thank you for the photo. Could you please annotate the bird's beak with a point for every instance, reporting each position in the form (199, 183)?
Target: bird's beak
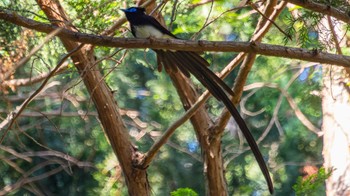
(124, 10)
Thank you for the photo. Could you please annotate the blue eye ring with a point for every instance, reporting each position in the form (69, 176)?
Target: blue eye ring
(132, 9)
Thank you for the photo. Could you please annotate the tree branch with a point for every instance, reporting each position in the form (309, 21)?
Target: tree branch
(56, 113)
(324, 9)
(162, 140)
(303, 119)
(32, 80)
(185, 45)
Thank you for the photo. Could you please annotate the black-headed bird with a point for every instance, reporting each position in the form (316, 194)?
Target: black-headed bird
(145, 26)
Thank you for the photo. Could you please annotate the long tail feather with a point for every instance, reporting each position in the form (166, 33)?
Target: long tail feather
(204, 68)
(191, 62)
(170, 60)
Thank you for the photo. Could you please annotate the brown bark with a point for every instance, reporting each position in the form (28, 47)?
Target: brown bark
(210, 144)
(175, 44)
(106, 107)
(336, 128)
(323, 8)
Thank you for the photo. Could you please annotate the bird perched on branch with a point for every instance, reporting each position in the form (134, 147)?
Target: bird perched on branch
(145, 26)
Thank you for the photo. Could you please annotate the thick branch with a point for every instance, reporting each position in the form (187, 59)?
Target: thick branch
(264, 49)
(324, 9)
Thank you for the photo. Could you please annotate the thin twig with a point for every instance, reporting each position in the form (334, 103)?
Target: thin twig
(292, 104)
(244, 100)
(267, 18)
(15, 153)
(31, 80)
(334, 35)
(205, 22)
(171, 129)
(15, 114)
(32, 52)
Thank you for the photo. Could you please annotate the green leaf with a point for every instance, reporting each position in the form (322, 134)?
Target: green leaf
(184, 192)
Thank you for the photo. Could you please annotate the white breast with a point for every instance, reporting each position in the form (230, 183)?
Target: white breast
(148, 31)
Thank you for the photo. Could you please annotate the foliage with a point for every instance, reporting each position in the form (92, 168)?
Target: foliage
(312, 184)
(183, 192)
(303, 28)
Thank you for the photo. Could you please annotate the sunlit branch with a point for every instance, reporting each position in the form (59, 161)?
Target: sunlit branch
(29, 81)
(176, 44)
(49, 154)
(292, 104)
(323, 8)
(171, 129)
(56, 113)
(203, 2)
(15, 153)
(243, 102)
(274, 119)
(267, 18)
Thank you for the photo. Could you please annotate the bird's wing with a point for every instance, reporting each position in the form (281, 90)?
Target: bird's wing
(152, 21)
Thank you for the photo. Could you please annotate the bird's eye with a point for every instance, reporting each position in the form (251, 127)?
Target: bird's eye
(132, 9)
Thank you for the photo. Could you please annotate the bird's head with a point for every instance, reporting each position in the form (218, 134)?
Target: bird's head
(134, 10)
(133, 13)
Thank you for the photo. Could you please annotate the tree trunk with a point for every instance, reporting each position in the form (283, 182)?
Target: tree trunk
(336, 128)
(106, 106)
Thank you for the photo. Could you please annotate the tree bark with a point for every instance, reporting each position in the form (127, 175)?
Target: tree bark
(336, 128)
(106, 106)
(210, 146)
(186, 45)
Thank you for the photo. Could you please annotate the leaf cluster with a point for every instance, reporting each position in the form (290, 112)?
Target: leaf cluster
(303, 27)
(312, 185)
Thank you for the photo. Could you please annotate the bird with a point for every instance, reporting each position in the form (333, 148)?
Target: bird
(190, 62)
